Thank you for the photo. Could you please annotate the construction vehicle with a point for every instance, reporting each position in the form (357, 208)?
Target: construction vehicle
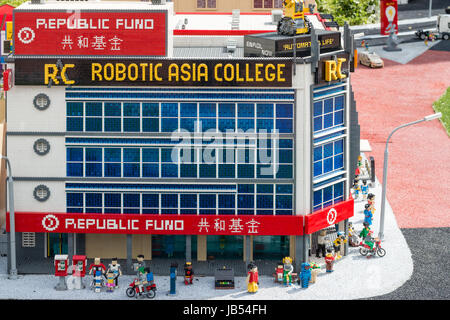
(294, 21)
(442, 26)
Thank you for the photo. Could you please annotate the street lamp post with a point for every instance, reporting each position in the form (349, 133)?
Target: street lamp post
(12, 228)
(385, 167)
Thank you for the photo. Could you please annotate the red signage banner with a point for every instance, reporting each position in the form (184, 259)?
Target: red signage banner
(84, 33)
(329, 216)
(157, 224)
(388, 16)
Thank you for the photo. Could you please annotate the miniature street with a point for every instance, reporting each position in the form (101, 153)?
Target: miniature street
(354, 276)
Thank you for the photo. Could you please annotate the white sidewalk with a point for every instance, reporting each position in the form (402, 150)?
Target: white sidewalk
(354, 276)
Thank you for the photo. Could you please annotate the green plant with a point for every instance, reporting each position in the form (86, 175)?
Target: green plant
(443, 105)
(13, 3)
(355, 12)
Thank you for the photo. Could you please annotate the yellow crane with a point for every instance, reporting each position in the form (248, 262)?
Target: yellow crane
(293, 21)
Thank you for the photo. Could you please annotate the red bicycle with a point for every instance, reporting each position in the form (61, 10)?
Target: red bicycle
(375, 249)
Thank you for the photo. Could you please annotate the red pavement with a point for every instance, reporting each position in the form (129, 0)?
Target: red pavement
(418, 186)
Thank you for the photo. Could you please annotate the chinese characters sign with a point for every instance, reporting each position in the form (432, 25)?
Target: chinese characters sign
(157, 224)
(84, 33)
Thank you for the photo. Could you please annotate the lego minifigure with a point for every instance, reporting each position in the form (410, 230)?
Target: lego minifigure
(252, 278)
(98, 280)
(288, 268)
(110, 282)
(315, 269)
(371, 202)
(337, 243)
(279, 273)
(329, 260)
(352, 238)
(305, 275)
(364, 189)
(364, 232)
(115, 269)
(97, 265)
(367, 215)
(321, 243)
(188, 273)
(356, 189)
(149, 276)
(359, 162)
(98, 269)
(140, 266)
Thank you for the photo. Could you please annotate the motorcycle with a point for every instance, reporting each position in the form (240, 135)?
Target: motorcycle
(148, 289)
(376, 248)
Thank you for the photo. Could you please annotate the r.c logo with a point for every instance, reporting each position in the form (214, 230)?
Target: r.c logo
(50, 222)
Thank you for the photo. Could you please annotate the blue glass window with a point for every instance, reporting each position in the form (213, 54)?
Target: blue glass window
(283, 202)
(74, 169)
(169, 170)
(74, 199)
(169, 124)
(150, 125)
(264, 201)
(93, 199)
(227, 110)
(329, 113)
(74, 124)
(226, 171)
(169, 200)
(113, 124)
(113, 200)
(207, 200)
(328, 157)
(112, 159)
(188, 171)
(150, 155)
(207, 124)
(285, 110)
(150, 200)
(284, 172)
(94, 109)
(93, 154)
(207, 171)
(113, 109)
(75, 109)
(150, 170)
(93, 124)
(131, 200)
(226, 201)
(188, 110)
(246, 110)
(284, 125)
(74, 154)
(246, 124)
(246, 171)
(207, 110)
(169, 109)
(227, 124)
(264, 110)
(150, 109)
(264, 124)
(131, 125)
(188, 201)
(246, 201)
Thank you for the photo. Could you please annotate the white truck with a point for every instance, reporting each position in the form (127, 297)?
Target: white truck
(443, 29)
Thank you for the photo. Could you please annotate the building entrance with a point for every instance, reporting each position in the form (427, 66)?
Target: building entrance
(168, 246)
(225, 247)
(270, 247)
(56, 244)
